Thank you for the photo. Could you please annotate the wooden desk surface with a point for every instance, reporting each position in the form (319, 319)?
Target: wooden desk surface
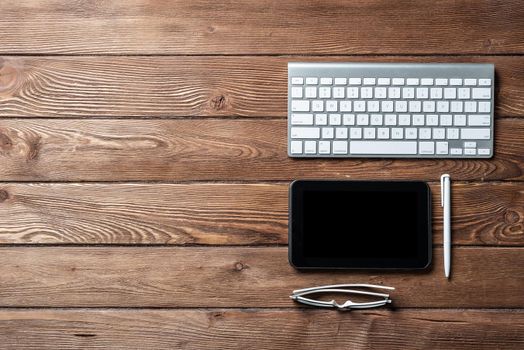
(144, 176)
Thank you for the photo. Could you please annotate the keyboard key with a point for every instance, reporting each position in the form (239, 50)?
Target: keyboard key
(470, 144)
(302, 119)
(311, 92)
(311, 81)
(453, 133)
(355, 133)
(483, 152)
(397, 133)
(348, 119)
(341, 133)
(424, 133)
(446, 120)
(411, 133)
(481, 93)
(398, 81)
(334, 119)
(479, 120)
(324, 92)
(422, 93)
(470, 106)
(326, 81)
(428, 106)
(470, 82)
(324, 147)
(442, 148)
(426, 81)
(404, 119)
(296, 147)
(305, 133)
(415, 106)
(297, 81)
(362, 119)
(366, 92)
(387, 106)
(484, 107)
(394, 92)
(340, 81)
(418, 119)
(459, 120)
(408, 93)
(432, 120)
(383, 133)
(359, 106)
(352, 92)
(345, 106)
(391, 119)
(296, 92)
(340, 147)
(401, 106)
(338, 92)
(441, 82)
(439, 133)
(450, 93)
(369, 81)
(383, 81)
(300, 106)
(454, 82)
(321, 119)
(327, 133)
(435, 93)
(412, 81)
(331, 106)
(355, 81)
(456, 151)
(380, 92)
(456, 107)
(383, 147)
(470, 151)
(369, 133)
(426, 147)
(373, 106)
(463, 93)
(443, 106)
(475, 134)
(376, 119)
(484, 82)
(310, 147)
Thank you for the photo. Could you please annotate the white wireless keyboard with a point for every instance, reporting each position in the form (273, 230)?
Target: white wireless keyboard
(390, 110)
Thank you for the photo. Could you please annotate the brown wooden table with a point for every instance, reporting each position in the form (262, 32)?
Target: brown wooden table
(144, 176)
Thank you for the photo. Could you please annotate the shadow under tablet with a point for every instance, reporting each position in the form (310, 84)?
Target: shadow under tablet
(359, 224)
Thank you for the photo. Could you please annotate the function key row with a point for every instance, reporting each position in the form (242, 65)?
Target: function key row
(390, 81)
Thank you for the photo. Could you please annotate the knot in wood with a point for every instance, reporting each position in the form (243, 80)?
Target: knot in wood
(5, 142)
(8, 75)
(4, 195)
(218, 102)
(239, 266)
(511, 216)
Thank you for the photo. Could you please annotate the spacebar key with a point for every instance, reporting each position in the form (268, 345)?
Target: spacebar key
(382, 147)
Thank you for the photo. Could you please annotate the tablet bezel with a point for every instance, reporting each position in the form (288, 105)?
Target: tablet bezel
(296, 252)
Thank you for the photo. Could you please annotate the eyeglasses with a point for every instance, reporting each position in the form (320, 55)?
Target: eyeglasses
(299, 296)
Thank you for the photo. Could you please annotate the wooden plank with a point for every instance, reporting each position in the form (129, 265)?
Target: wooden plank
(238, 277)
(187, 86)
(200, 149)
(259, 27)
(261, 329)
(232, 214)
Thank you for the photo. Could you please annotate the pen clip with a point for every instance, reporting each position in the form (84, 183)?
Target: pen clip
(442, 182)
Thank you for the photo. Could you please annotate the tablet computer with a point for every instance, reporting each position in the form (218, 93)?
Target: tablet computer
(359, 224)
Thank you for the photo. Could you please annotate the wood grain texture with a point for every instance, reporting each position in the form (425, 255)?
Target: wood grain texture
(238, 277)
(179, 150)
(258, 27)
(188, 86)
(232, 214)
(261, 329)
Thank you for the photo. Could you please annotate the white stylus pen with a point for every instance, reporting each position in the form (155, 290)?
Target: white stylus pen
(445, 195)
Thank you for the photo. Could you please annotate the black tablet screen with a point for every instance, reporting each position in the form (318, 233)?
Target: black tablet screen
(360, 224)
